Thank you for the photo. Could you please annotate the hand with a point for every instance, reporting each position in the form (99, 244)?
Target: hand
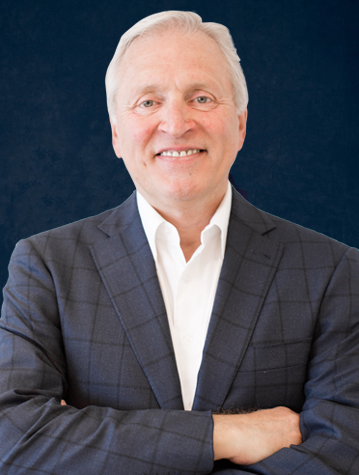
(249, 438)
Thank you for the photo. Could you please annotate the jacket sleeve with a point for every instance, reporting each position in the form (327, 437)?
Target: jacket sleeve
(38, 435)
(330, 415)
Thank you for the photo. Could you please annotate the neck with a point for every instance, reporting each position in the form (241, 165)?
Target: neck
(189, 219)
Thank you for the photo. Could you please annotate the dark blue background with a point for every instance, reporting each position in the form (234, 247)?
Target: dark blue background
(300, 158)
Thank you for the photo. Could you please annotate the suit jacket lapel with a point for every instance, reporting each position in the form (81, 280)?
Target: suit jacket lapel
(248, 269)
(125, 263)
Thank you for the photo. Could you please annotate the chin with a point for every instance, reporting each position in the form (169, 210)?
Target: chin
(184, 194)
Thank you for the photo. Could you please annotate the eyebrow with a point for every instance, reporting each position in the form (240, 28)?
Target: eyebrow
(201, 85)
(147, 88)
(158, 87)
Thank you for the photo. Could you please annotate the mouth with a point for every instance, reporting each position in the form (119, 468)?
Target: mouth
(179, 153)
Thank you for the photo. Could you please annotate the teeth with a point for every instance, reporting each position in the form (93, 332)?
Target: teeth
(183, 153)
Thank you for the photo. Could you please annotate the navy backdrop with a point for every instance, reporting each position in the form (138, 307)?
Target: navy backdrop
(299, 161)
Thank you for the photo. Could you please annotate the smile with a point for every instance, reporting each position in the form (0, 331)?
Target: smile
(182, 153)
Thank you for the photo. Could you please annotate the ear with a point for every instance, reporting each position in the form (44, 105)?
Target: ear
(115, 138)
(242, 120)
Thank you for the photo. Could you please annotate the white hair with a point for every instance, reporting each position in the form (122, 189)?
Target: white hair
(187, 22)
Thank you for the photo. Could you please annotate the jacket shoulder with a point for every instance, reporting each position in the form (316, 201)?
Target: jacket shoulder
(294, 237)
(90, 229)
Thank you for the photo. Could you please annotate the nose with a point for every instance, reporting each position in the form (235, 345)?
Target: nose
(176, 119)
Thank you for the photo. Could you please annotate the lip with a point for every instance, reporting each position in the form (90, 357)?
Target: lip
(177, 163)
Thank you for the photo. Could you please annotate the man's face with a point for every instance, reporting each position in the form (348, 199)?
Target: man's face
(177, 128)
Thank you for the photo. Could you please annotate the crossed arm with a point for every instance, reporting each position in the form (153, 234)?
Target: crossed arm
(38, 433)
(245, 439)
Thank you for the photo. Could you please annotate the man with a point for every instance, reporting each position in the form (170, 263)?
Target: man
(161, 319)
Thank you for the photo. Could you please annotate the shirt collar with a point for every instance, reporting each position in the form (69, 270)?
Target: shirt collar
(152, 220)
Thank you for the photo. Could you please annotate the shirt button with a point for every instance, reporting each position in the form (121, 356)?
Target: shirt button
(187, 339)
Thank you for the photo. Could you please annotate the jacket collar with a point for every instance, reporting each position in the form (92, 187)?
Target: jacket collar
(248, 269)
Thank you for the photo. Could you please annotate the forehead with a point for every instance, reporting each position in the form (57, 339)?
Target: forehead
(173, 55)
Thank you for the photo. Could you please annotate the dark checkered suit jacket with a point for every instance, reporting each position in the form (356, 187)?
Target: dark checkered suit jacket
(84, 320)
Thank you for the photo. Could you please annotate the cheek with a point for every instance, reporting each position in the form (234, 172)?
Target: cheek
(224, 132)
(217, 126)
(139, 132)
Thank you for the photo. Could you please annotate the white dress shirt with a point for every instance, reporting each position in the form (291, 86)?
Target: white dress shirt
(188, 288)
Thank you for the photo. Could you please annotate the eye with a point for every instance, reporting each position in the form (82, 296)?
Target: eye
(148, 103)
(202, 99)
